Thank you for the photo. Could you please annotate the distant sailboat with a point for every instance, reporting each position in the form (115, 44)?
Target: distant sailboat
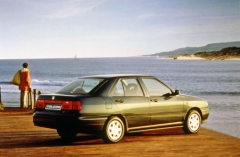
(75, 57)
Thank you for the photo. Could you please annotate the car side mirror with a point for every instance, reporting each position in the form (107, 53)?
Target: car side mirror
(177, 92)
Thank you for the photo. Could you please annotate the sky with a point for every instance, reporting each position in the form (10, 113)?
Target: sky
(32, 29)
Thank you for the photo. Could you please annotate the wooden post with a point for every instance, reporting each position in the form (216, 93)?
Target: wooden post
(34, 98)
(31, 98)
(1, 104)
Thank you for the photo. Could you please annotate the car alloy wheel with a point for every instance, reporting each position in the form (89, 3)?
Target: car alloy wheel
(192, 122)
(113, 130)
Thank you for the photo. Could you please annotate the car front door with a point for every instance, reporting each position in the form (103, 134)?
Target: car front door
(130, 100)
(164, 106)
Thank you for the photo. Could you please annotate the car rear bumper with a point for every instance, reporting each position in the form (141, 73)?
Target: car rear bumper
(54, 120)
(82, 124)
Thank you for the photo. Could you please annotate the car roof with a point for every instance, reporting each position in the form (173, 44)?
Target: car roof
(116, 75)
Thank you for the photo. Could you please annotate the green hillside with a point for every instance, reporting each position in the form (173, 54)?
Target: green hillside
(226, 53)
(192, 50)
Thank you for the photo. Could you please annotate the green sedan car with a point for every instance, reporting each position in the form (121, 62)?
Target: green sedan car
(112, 105)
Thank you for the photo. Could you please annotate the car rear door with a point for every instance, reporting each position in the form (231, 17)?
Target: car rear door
(164, 107)
(128, 96)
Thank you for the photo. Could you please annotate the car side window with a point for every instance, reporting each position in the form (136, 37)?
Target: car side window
(118, 89)
(156, 88)
(127, 87)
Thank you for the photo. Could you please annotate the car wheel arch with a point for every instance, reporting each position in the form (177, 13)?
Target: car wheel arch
(193, 108)
(192, 121)
(114, 129)
(124, 120)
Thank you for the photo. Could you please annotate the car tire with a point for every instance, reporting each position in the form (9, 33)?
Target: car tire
(67, 134)
(192, 122)
(113, 130)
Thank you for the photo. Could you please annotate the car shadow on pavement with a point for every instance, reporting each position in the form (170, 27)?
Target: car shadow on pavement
(81, 139)
(51, 139)
(31, 139)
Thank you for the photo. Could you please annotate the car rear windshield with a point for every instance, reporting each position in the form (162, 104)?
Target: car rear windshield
(80, 86)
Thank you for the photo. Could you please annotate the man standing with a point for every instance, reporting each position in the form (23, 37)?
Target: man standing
(24, 85)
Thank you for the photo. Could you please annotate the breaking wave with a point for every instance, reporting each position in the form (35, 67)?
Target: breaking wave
(48, 83)
(38, 82)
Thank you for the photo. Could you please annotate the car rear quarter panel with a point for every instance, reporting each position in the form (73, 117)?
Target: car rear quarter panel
(95, 111)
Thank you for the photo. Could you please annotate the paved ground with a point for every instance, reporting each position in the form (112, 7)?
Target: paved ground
(19, 137)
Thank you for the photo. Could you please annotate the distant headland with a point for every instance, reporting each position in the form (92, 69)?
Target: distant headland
(214, 51)
(229, 53)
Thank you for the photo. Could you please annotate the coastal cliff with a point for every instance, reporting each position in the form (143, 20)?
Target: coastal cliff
(228, 53)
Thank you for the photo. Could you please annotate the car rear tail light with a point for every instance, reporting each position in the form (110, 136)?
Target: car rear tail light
(77, 105)
(71, 105)
(40, 104)
(56, 102)
(65, 105)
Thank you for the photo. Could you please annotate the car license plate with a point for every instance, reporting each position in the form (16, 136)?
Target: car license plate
(53, 107)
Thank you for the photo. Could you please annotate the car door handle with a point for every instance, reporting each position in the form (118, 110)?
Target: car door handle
(154, 100)
(119, 100)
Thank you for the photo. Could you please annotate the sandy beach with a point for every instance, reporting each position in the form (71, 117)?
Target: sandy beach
(193, 57)
(190, 57)
(19, 137)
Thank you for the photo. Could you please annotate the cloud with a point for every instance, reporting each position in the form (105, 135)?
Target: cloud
(70, 8)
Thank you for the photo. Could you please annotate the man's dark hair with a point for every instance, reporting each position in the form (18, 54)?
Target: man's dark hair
(25, 65)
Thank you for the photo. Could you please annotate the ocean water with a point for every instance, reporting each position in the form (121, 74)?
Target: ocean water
(218, 82)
